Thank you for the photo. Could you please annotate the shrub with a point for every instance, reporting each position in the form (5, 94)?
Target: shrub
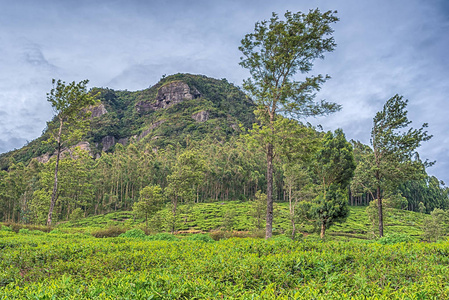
(433, 225)
(6, 228)
(76, 214)
(162, 237)
(217, 235)
(16, 227)
(134, 233)
(200, 237)
(112, 231)
(395, 238)
(24, 231)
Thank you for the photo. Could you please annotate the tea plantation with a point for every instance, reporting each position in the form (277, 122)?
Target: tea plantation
(69, 262)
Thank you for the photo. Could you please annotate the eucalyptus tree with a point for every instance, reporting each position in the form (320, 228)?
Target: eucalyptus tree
(187, 175)
(393, 158)
(333, 169)
(273, 54)
(69, 102)
(150, 201)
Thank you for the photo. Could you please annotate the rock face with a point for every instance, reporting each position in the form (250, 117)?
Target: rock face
(147, 131)
(108, 141)
(66, 151)
(43, 158)
(168, 95)
(201, 116)
(123, 141)
(97, 111)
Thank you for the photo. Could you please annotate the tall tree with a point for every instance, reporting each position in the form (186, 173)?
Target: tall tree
(333, 168)
(70, 102)
(150, 201)
(393, 159)
(188, 173)
(273, 54)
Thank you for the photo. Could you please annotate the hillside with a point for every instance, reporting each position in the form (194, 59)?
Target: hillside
(178, 109)
(238, 217)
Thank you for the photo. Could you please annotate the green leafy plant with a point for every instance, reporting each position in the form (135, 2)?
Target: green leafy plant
(395, 238)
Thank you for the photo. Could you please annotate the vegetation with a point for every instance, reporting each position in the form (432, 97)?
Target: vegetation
(393, 158)
(46, 266)
(164, 198)
(273, 54)
(69, 102)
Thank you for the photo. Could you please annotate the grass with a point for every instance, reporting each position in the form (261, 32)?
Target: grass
(236, 216)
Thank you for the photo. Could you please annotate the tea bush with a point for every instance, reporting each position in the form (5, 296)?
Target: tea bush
(77, 266)
(112, 231)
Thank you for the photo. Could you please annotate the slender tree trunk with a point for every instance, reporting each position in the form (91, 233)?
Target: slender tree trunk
(269, 227)
(175, 203)
(146, 221)
(323, 230)
(292, 211)
(55, 185)
(379, 206)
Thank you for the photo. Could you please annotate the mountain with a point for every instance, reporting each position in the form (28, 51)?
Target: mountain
(178, 109)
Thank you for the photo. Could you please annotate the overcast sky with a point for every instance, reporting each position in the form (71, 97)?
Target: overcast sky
(384, 47)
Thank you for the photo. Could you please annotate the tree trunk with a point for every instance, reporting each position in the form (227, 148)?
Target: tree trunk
(55, 185)
(269, 227)
(146, 221)
(379, 206)
(292, 211)
(323, 230)
(175, 203)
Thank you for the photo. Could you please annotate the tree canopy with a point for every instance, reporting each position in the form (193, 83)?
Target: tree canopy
(273, 54)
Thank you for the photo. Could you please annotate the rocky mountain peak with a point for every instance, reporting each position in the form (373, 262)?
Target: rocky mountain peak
(170, 94)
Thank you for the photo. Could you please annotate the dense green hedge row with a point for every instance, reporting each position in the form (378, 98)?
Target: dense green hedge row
(48, 266)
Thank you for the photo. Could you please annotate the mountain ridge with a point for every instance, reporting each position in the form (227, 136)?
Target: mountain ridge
(176, 109)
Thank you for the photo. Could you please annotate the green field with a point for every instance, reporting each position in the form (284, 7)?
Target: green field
(207, 217)
(36, 265)
(70, 263)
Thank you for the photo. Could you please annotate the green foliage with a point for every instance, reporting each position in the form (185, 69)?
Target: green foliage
(150, 201)
(134, 233)
(162, 237)
(332, 170)
(6, 228)
(112, 231)
(273, 54)
(88, 268)
(24, 231)
(395, 238)
(372, 213)
(334, 162)
(187, 175)
(200, 237)
(329, 208)
(70, 103)
(229, 220)
(76, 214)
(393, 159)
(431, 191)
(435, 225)
(258, 209)
(279, 49)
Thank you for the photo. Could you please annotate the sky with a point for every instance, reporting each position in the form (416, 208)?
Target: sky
(384, 47)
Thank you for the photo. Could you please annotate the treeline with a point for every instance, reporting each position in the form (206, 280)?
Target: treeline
(113, 181)
(233, 170)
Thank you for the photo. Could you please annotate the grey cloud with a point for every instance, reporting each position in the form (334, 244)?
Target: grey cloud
(11, 144)
(383, 48)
